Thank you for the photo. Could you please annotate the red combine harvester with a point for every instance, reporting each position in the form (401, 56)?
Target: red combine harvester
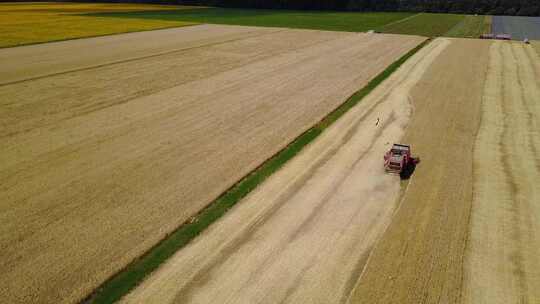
(399, 160)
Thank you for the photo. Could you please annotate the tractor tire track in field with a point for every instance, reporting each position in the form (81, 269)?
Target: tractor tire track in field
(305, 224)
(304, 235)
(515, 258)
(468, 230)
(526, 80)
(503, 264)
(532, 74)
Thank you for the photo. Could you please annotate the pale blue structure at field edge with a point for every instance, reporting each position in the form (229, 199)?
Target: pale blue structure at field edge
(520, 28)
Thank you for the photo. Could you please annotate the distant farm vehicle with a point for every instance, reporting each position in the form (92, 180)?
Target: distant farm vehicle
(398, 160)
(487, 36)
(496, 37)
(503, 37)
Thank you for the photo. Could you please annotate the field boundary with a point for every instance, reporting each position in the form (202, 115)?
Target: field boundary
(102, 35)
(132, 275)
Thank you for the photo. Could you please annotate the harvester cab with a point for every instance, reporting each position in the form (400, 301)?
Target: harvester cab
(398, 160)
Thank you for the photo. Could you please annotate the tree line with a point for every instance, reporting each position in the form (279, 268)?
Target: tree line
(487, 7)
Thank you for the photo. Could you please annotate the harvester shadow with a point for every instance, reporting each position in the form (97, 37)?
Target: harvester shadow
(407, 171)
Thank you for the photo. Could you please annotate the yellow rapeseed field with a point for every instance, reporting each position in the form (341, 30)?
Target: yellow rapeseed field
(27, 23)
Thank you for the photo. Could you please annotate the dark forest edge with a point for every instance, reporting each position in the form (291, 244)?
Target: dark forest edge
(480, 7)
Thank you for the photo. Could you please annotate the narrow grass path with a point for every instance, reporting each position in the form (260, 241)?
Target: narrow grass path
(122, 283)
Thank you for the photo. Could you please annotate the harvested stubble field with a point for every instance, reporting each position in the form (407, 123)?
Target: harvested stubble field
(331, 227)
(467, 229)
(304, 235)
(419, 259)
(39, 61)
(99, 164)
(503, 257)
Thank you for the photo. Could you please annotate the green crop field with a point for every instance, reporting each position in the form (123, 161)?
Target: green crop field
(424, 24)
(320, 20)
(471, 27)
(430, 25)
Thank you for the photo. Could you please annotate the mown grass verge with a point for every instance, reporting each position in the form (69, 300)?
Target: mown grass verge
(123, 282)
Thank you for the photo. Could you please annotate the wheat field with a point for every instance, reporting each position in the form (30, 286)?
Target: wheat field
(29, 23)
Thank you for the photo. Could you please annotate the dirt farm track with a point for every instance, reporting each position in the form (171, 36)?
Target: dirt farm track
(100, 162)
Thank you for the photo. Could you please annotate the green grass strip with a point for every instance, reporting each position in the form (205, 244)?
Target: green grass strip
(123, 282)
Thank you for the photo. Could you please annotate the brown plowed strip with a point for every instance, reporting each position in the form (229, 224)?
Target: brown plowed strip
(304, 235)
(98, 165)
(420, 257)
(503, 264)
